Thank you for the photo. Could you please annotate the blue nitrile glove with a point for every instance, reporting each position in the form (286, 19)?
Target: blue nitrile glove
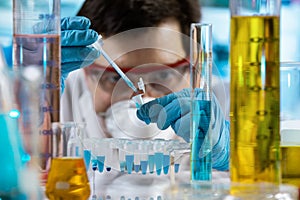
(174, 110)
(75, 40)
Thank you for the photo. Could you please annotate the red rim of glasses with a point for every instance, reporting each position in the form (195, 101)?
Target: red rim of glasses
(153, 67)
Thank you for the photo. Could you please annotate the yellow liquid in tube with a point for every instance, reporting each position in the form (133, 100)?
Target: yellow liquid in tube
(67, 179)
(255, 99)
(290, 164)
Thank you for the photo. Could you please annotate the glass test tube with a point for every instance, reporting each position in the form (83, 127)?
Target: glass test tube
(201, 70)
(255, 90)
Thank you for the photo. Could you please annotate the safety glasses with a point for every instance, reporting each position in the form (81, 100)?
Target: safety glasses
(161, 77)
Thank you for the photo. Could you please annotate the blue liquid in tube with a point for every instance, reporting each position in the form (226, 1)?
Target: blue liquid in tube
(122, 166)
(158, 162)
(151, 163)
(100, 162)
(144, 165)
(87, 158)
(137, 168)
(201, 166)
(176, 168)
(166, 163)
(94, 164)
(129, 163)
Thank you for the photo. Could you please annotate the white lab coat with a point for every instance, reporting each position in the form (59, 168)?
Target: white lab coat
(77, 106)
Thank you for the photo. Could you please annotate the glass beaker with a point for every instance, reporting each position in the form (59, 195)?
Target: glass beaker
(290, 121)
(201, 72)
(67, 177)
(254, 90)
(36, 41)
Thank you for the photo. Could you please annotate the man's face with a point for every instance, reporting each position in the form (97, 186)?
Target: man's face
(154, 54)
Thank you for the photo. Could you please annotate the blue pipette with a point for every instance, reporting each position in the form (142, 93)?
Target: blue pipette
(98, 45)
(137, 98)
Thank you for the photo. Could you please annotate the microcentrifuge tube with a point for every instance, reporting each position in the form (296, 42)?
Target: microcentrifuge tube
(137, 156)
(129, 163)
(87, 152)
(166, 163)
(87, 158)
(129, 157)
(108, 145)
(151, 160)
(100, 163)
(94, 164)
(144, 156)
(99, 151)
(144, 165)
(158, 156)
(122, 161)
(166, 160)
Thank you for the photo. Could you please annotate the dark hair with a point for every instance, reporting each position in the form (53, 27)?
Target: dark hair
(109, 17)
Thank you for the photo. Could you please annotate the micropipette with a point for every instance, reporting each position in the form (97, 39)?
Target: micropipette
(141, 87)
(98, 45)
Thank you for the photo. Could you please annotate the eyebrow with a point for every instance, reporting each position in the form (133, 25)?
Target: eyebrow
(150, 67)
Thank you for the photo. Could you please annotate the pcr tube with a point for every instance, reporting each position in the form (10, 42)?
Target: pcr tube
(100, 152)
(159, 155)
(129, 156)
(121, 155)
(144, 149)
(151, 159)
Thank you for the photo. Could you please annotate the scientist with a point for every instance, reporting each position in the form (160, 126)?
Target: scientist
(148, 39)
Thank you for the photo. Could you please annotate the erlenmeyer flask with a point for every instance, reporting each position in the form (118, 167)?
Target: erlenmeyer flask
(67, 178)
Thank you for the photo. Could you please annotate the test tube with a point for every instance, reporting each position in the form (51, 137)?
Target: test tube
(137, 155)
(200, 73)
(144, 155)
(122, 161)
(166, 160)
(129, 156)
(87, 152)
(99, 152)
(109, 153)
(151, 159)
(158, 155)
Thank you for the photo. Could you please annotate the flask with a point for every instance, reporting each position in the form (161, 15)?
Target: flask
(67, 178)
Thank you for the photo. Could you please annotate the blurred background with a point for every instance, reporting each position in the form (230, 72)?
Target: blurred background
(214, 11)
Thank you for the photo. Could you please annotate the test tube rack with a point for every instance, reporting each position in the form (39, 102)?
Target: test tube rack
(134, 156)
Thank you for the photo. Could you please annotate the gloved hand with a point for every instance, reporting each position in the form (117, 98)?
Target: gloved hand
(75, 40)
(174, 110)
